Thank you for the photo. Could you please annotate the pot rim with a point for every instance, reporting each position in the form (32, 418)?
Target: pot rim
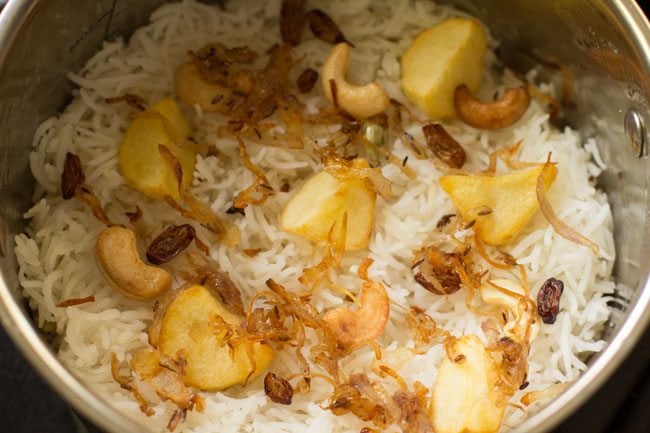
(40, 355)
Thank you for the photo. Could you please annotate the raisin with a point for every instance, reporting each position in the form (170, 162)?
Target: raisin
(292, 20)
(279, 390)
(444, 146)
(72, 176)
(307, 80)
(548, 300)
(324, 27)
(170, 243)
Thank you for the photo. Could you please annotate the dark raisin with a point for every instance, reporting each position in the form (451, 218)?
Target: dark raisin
(307, 80)
(444, 146)
(324, 27)
(292, 20)
(548, 300)
(278, 389)
(72, 176)
(170, 243)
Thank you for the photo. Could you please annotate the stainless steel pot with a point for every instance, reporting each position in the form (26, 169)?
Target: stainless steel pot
(605, 43)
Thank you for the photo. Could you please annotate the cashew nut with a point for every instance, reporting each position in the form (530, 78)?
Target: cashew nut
(491, 115)
(522, 325)
(359, 101)
(354, 329)
(118, 258)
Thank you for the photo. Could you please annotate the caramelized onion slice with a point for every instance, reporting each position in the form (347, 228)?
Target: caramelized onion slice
(546, 393)
(257, 193)
(196, 210)
(558, 225)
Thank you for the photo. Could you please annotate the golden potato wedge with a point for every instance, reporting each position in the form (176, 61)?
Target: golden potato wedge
(140, 160)
(511, 197)
(188, 330)
(323, 200)
(465, 397)
(439, 60)
(192, 89)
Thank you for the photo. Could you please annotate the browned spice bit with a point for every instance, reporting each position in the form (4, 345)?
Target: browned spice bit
(523, 386)
(484, 212)
(437, 273)
(508, 259)
(468, 225)
(233, 210)
(252, 252)
(132, 100)
(72, 176)
(405, 160)
(459, 359)
(548, 300)
(76, 301)
(278, 389)
(324, 28)
(134, 216)
(293, 17)
(285, 187)
(444, 220)
(443, 145)
(170, 243)
(307, 80)
(217, 99)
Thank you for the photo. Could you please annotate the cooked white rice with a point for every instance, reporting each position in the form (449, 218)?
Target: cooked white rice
(56, 254)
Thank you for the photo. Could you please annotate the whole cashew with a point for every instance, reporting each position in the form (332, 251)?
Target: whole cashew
(354, 329)
(491, 115)
(359, 101)
(118, 258)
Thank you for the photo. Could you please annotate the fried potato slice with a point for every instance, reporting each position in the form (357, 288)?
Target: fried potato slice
(465, 397)
(140, 160)
(511, 200)
(322, 202)
(190, 330)
(439, 60)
